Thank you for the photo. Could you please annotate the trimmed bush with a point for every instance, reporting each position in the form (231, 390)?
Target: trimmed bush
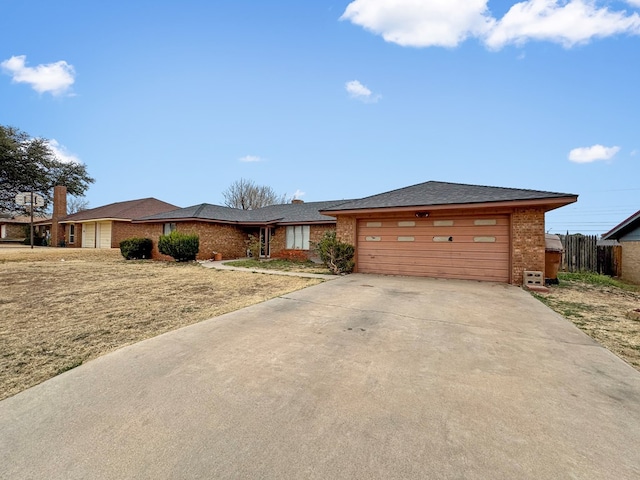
(136, 248)
(183, 247)
(336, 255)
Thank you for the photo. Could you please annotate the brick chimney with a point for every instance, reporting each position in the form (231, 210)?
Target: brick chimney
(297, 200)
(59, 212)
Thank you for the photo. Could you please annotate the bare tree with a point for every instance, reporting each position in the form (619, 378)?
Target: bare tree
(77, 204)
(245, 194)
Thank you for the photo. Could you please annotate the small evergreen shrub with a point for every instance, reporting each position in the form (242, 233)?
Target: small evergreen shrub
(183, 247)
(336, 255)
(136, 248)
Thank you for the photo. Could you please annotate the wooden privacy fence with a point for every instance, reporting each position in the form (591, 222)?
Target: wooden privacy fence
(583, 254)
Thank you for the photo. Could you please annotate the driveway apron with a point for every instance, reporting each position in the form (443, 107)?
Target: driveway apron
(358, 378)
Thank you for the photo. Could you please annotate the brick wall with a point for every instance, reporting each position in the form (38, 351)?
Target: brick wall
(228, 240)
(59, 212)
(346, 229)
(278, 241)
(527, 240)
(15, 231)
(631, 262)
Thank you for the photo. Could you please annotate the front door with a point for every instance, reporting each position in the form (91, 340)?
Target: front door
(265, 234)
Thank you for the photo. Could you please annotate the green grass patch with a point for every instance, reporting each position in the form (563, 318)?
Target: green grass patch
(282, 265)
(591, 278)
(73, 363)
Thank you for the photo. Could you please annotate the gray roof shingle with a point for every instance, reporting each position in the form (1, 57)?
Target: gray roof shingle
(284, 213)
(443, 193)
(122, 210)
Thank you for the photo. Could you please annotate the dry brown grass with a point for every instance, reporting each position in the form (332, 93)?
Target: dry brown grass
(62, 307)
(602, 312)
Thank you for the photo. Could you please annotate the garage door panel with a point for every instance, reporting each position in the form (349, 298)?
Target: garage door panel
(468, 273)
(438, 262)
(459, 247)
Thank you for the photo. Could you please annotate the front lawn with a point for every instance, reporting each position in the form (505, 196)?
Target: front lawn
(61, 307)
(600, 306)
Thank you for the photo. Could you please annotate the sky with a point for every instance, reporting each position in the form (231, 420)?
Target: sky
(329, 100)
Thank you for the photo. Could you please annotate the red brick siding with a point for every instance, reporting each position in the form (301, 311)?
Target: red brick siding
(15, 231)
(631, 262)
(228, 240)
(278, 240)
(346, 229)
(527, 242)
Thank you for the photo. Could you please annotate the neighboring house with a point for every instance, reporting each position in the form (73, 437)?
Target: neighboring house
(627, 233)
(14, 228)
(282, 229)
(106, 226)
(449, 230)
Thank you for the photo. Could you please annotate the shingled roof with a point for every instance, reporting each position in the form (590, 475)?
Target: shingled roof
(443, 193)
(121, 211)
(624, 227)
(287, 213)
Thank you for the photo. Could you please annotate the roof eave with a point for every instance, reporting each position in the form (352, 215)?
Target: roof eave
(92, 220)
(547, 203)
(622, 228)
(308, 222)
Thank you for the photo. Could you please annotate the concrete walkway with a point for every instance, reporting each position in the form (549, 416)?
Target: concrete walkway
(222, 265)
(364, 377)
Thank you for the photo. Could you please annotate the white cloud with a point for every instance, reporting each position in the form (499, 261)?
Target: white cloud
(448, 23)
(61, 153)
(357, 90)
(592, 154)
(570, 23)
(416, 23)
(55, 78)
(251, 159)
(298, 193)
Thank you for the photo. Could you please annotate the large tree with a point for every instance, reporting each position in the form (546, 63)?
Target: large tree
(29, 164)
(245, 194)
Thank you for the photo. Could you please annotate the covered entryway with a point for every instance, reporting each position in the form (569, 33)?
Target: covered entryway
(471, 247)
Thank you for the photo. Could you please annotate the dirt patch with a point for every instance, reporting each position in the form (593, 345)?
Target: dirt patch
(63, 307)
(603, 313)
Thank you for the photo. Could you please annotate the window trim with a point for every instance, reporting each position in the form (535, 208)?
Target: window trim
(297, 237)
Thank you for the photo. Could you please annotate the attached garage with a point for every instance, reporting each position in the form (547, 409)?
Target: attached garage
(449, 230)
(474, 247)
(96, 235)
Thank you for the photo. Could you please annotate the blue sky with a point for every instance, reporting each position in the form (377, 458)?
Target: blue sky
(333, 99)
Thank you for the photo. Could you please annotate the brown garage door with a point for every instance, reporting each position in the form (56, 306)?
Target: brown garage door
(457, 247)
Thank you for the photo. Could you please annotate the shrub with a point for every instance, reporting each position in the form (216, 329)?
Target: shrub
(135, 247)
(336, 255)
(183, 247)
(254, 246)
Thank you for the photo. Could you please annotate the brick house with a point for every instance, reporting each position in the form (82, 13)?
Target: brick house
(101, 227)
(627, 233)
(449, 230)
(13, 228)
(283, 230)
(433, 229)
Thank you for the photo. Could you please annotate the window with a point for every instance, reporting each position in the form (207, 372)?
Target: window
(167, 228)
(72, 233)
(298, 237)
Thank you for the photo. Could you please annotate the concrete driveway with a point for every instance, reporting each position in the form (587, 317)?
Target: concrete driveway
(358, 378)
